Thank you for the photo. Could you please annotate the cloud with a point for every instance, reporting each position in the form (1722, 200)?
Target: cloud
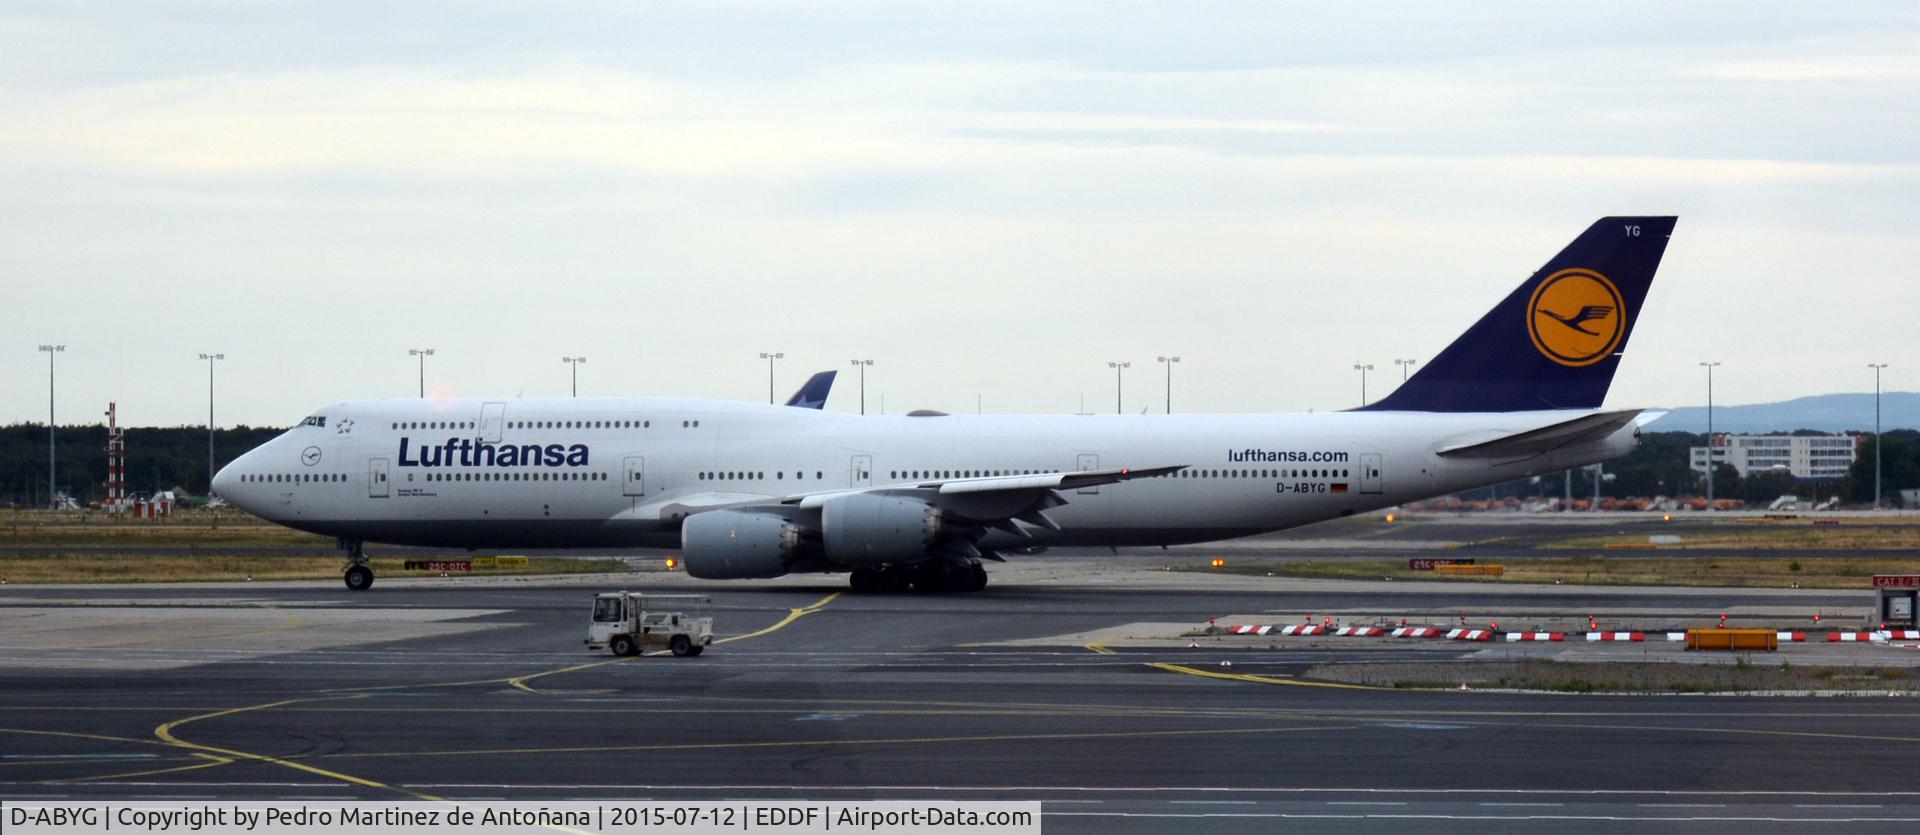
(989, 200)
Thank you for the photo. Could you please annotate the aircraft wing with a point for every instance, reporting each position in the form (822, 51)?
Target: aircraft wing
(680, 507)
(1541, 440)
(1072, 480)
(989, 502)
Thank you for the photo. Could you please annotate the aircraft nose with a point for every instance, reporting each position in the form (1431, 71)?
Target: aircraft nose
(225, 480)
(230, 484)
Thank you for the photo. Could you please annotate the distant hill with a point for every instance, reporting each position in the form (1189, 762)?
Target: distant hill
(1825, 412)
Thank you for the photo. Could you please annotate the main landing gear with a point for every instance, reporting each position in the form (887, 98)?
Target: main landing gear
(929, 576)
(359, 574)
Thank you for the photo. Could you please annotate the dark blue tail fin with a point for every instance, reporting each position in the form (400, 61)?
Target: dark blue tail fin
(813, 395)
(1554, 343)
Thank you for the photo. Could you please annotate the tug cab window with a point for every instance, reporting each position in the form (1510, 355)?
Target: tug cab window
(606, 610)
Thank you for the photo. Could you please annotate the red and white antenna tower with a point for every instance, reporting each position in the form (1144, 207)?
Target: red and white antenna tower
(116, 462)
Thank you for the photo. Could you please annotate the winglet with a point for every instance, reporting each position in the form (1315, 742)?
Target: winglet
(813, 395)
(1555, 342)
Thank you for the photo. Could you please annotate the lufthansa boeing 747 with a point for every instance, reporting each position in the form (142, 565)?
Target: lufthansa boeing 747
(746, 490)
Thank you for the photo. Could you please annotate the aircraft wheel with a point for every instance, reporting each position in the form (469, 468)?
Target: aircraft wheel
(864, 580)
(622, 645)
(977, 577)
(894, 580)
(932, 577)
(359, 578)
(681, 645)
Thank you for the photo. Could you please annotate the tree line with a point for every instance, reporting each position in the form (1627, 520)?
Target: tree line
(158, 458)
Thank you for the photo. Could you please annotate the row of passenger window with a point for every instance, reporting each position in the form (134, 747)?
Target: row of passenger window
(957, 473)
(579, 424)
(1308, 473)
(514, 476)
(540, 424)
(291, 478)
(756, 476)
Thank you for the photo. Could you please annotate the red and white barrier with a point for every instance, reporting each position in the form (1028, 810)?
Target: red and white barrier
(1416, 632)
(1265, 629)
(1635, 637)
(1470, 635)
(1791, 637)
(1361, 631)
(1901, 634)
(1852, 637)
(1676, 636)
(1536, 636)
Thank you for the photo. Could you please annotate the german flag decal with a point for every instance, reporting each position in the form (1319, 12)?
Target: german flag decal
(1339, 487)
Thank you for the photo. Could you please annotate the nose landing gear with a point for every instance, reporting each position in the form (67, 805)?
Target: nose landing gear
(359, 575)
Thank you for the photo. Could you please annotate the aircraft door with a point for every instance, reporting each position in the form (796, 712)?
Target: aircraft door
(860, 471)
(377, 478)
(635, 476)
(1370, 476)
(492, 418)
(1088, 461)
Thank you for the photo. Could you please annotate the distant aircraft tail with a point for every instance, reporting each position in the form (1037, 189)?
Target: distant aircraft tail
(813, 395)
(1556, 341)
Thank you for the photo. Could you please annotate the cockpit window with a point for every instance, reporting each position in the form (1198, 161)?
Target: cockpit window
(316, 420)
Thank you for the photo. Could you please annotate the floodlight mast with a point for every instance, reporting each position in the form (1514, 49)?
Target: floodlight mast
(210, 358)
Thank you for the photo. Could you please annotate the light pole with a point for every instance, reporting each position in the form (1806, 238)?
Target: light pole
(51, 350)
(1710, 467)
(574, 363)
(1876, 366)
(1363, 368)
(1117, 368)
(210, 358)
(1169, 361)
(422, 353)
(1405, 365)
(862, 365)
(770, 357)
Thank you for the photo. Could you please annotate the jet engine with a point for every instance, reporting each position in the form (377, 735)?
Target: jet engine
(863, 529)
(732, 545)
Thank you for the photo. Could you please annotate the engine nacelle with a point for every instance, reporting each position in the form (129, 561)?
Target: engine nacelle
(733, 545)
(863, 529)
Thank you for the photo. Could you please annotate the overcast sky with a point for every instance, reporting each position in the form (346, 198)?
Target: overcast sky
(987, 199)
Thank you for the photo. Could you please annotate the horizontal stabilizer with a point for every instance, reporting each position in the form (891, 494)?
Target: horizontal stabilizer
(1583, 429)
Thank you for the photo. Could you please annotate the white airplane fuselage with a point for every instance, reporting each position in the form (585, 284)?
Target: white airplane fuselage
(612, 472)
(750, 491)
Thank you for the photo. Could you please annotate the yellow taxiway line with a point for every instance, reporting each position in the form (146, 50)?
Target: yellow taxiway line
(166, 734)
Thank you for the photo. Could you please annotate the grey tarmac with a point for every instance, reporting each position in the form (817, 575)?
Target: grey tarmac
(460, 688)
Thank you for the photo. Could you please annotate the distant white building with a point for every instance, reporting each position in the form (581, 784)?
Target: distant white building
(1804, 456)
